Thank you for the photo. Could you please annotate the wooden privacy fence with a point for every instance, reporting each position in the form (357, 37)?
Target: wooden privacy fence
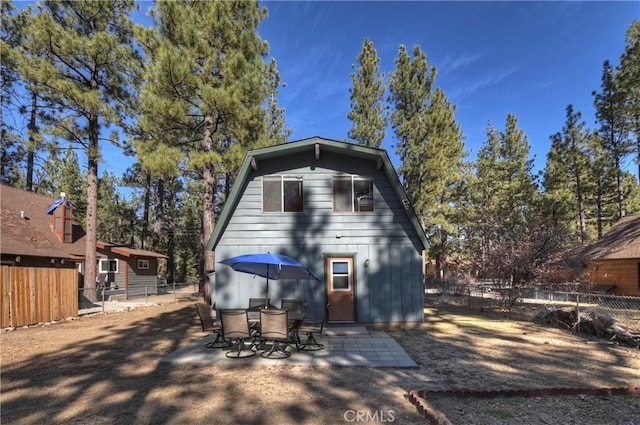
(36, 294)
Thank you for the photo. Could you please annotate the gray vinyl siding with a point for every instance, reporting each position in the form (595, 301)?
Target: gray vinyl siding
(142, 282)
(135, 283)
(389, 290)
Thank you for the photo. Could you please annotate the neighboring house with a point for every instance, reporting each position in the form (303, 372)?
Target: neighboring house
(129, 271)
(38, 231)
(614, 260)
(41, 251)
(340, 209)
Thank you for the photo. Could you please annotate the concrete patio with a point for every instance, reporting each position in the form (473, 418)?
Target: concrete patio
(344, 346)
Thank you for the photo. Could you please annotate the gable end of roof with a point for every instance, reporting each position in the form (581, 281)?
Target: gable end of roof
(253, 159)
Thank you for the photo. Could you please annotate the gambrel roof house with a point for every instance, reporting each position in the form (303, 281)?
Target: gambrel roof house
(614, 260)
(340, 209)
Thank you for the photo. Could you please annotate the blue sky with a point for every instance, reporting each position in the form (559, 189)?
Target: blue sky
(528, 58)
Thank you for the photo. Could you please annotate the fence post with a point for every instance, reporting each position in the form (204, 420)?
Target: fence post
(174, 290)
(102, 299)
(145, 293)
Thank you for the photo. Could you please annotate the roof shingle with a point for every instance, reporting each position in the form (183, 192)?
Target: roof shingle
(25, 227)
(622, 241)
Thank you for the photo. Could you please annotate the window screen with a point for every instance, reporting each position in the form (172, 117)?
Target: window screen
(352, 194)
(282, 194)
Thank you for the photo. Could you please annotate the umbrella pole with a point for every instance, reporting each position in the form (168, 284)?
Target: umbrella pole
(266, 297)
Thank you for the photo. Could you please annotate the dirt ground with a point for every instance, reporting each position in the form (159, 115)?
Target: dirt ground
(104, 369)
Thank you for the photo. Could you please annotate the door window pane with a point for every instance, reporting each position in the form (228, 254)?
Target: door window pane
(340, 276)
(340, 283)
(340, 267)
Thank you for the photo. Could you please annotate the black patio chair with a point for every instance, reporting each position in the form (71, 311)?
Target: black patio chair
(235, 330)
(295, 309)
(210, 325)
(255, 304)
(291, 305)
(312, 329)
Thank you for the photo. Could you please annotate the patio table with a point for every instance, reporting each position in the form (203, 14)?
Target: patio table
(294, 316)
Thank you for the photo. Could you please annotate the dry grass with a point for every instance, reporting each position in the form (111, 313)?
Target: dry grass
(105, 369)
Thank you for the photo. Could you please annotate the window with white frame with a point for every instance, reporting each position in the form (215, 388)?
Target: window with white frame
(143, 264)
(282, 194)
(340, 275)
(352, 194)
(108, 265)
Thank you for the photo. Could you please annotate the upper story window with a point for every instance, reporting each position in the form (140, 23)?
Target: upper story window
(143, 264)
(282, 194)
(352, 194)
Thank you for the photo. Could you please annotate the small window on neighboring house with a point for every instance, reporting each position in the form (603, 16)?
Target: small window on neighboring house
(108, 266)
(282, 194)
(352, 194)
(68, 225)
(63, 223)
(143, 264)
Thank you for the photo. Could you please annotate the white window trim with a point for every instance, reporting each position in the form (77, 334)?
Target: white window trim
(354, 177)
(348, 274)
(108, 260)
(143, 264)
(283, 178)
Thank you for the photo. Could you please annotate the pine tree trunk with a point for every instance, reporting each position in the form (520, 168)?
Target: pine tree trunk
(32, 143)
(91, 260)
(208, 204)
(145, 214)
(171, 245)
(620, 189)
(600, 207)
(582, 222)
(159, 218)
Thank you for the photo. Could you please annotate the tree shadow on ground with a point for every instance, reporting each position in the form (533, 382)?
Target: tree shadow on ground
(115, 376)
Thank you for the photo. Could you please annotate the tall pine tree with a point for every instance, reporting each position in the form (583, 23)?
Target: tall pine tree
(629, 83)
(431, 148)
(205, 90)
(614, 128)
(567, 181)
(88, 67)
(367, 108)
(507, 237)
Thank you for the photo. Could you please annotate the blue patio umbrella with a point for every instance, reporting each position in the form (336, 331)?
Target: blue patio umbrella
(270, 266)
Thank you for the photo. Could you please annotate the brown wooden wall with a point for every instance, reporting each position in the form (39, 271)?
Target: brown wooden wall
(37, 294)
(622, 273)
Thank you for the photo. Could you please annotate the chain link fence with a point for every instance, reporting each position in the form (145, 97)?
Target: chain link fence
(492, 296)
(101, 299)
